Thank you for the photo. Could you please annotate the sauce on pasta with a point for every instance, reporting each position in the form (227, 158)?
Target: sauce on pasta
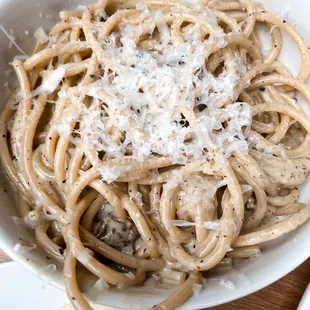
(151, 139)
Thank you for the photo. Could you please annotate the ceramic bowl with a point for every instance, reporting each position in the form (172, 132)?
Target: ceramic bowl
(278, 257)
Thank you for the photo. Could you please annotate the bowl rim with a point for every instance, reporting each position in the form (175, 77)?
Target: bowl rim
(277, 273)
(243, 291)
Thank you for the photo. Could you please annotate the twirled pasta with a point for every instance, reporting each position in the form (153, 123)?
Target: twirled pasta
(189, 214)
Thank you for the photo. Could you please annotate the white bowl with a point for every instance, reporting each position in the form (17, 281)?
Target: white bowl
(279, 257)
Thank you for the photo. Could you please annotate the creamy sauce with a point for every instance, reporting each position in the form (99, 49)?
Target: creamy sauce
(288, 172)
(117, 234)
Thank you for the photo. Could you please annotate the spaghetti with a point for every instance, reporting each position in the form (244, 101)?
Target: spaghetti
(152, 139)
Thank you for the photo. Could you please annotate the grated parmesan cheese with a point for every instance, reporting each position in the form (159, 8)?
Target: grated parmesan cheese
(212, 225)
(81, 7)
(227, 284)
(40, 35)
(163, 29)
(181, 223)
(20, 57)
(50, 83)
(152, 286)
(97, 289)
(246, 188)
(170, 185)
(163, 101)
(130, 275)
(229, 248)
(110, 174)
(197, 289)
(192, 2)
(137, 198)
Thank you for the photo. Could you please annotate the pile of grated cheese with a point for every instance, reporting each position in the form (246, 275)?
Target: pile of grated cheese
(163, 101)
